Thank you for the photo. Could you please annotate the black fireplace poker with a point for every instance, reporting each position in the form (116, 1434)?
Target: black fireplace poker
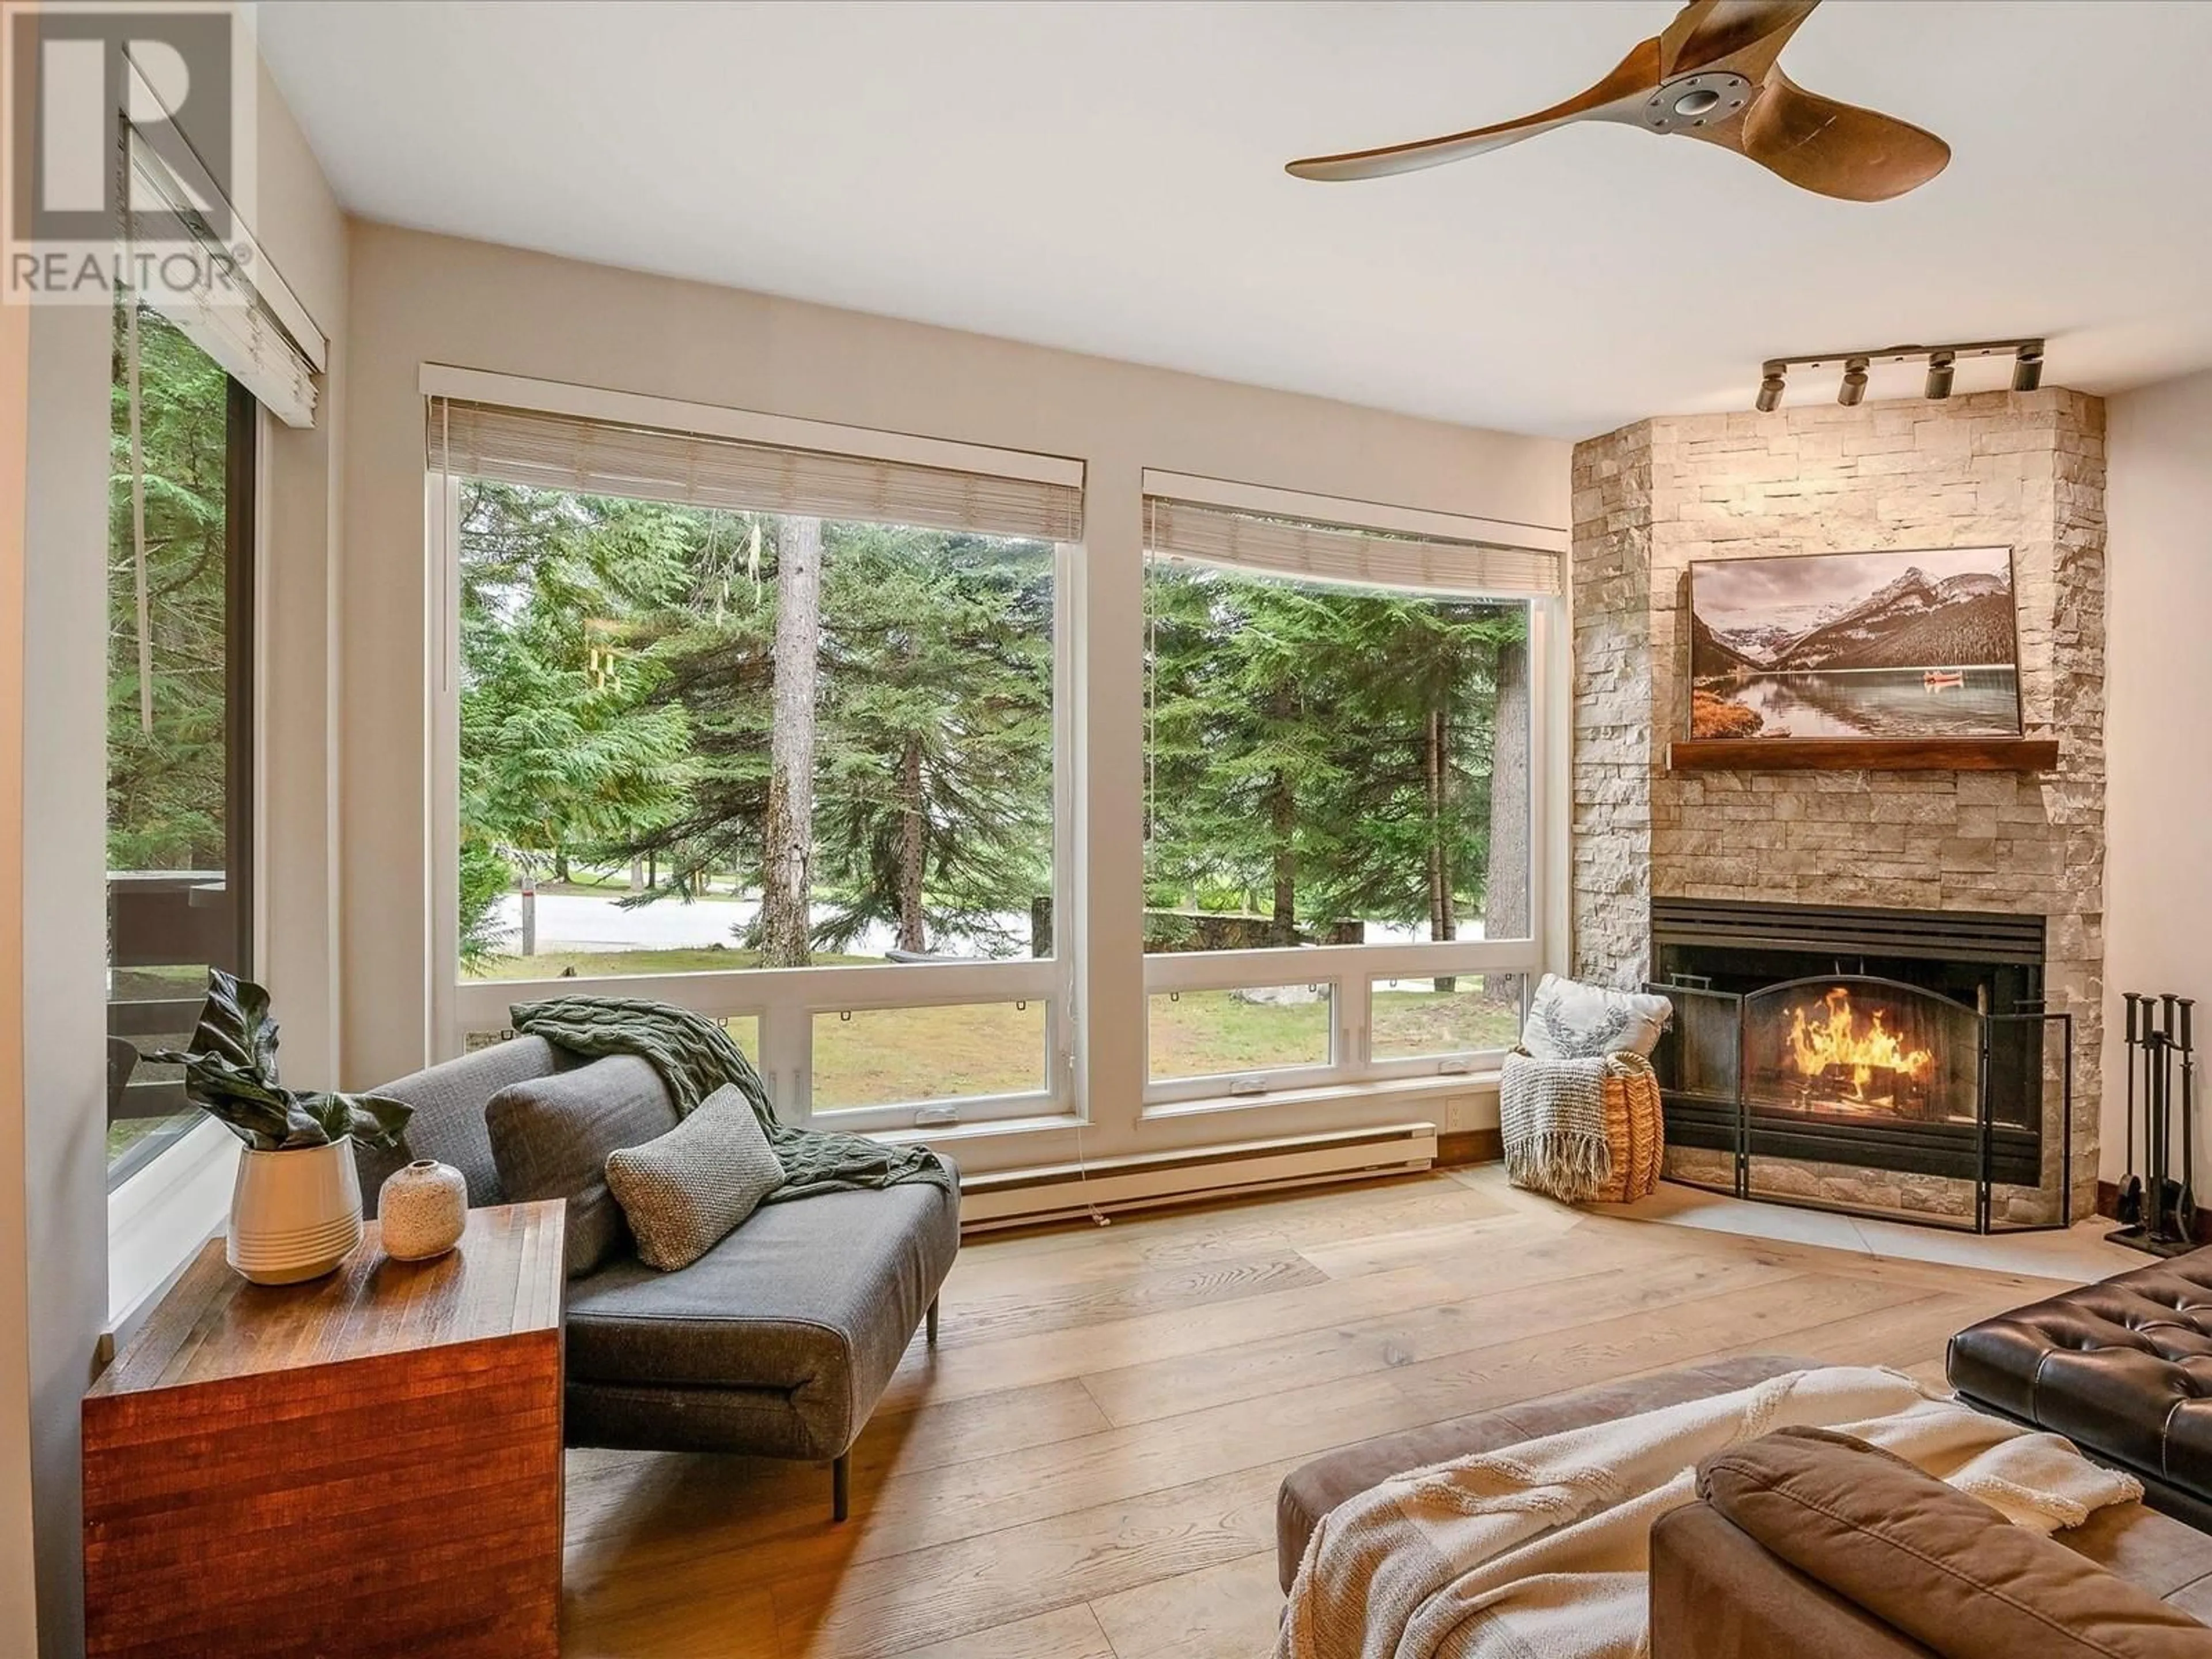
(2159, 1211)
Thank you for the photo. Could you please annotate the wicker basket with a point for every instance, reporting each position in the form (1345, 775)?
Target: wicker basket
(1633, 1129)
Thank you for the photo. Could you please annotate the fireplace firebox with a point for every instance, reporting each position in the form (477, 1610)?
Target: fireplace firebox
(1911, 1042)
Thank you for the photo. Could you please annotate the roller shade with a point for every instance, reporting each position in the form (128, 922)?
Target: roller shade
(600, 458)
(242, 333)
(1329, 553)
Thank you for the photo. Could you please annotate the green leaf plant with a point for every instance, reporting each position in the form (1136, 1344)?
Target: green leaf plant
(230, 1073)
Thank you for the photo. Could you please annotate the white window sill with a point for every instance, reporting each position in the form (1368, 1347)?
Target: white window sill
(938, 1134)
(1408, 1089)
(158, 1220)
(1396, 1089)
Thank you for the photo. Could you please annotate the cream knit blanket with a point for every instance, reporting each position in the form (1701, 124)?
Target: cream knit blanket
(1552, 1119)
(1540, 1551)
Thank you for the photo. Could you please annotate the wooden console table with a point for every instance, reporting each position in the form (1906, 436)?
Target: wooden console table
(366, 1464)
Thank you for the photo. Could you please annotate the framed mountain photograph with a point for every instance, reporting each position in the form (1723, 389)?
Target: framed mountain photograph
(1854, 645)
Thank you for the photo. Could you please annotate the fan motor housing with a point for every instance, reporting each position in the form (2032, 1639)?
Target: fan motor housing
(1687, 102)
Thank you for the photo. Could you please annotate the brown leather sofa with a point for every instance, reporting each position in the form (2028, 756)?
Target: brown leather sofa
(1718, 1592)
(2123, 1369)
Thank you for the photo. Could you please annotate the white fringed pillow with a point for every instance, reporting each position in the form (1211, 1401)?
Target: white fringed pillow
(1569, 1020)
(684, 1192)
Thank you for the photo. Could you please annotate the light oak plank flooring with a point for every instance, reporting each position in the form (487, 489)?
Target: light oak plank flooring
(1086, 1466)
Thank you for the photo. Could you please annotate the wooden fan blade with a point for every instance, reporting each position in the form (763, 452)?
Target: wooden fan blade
(1707, 33)
(1834, 149)
(1632, 78)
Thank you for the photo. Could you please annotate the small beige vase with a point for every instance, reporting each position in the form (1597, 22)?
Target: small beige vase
(423, 1208)
(294, 1215)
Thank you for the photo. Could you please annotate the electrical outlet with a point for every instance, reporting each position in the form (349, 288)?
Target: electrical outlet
(1459, 1114)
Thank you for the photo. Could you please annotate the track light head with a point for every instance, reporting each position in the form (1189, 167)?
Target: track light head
(1854, 386)
(2028, 368)
(1940, 368)
(1770, 389)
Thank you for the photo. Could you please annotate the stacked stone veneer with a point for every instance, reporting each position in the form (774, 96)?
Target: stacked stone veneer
(2024, 471)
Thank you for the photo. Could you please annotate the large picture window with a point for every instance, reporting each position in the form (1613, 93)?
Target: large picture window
(795, 768)
(782, 732)
(180, 715)
(1341, 769)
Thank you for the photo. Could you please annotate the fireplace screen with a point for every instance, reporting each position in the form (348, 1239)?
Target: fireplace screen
(1858, 1048)
(1897, 1063)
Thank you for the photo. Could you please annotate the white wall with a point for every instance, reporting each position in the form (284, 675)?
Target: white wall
(54, 1282)
(64, 874)
(417, 298)
(2158, 739)
(304, 235)
(18, 1580)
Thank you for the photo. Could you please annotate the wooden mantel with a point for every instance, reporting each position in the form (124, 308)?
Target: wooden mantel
(1863, 754)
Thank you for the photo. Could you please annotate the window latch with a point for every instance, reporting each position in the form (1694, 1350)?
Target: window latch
(1249, 1086)
(938, 1117)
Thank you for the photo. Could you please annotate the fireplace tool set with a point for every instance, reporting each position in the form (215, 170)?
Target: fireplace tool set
(2159, 1213)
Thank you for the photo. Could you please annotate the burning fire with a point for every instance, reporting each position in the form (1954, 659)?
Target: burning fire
(1826, 1041)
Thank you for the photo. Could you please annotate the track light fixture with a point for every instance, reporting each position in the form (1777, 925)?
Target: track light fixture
(1943, 364)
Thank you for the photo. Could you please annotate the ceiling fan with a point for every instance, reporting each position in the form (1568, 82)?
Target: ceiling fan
(1712, 76)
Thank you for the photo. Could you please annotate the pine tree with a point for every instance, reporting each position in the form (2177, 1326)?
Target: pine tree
(936, 782)
(165, 786)
(1321, 754)
(564, 745)
(932, 784)
(786, 884)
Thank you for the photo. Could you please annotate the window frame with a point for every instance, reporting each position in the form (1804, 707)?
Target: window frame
(785, 1000)
(1350, 970)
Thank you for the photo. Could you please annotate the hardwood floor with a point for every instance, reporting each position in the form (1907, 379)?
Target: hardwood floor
(1085, 1467)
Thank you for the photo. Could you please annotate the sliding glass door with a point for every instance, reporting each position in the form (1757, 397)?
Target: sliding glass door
(180, 737)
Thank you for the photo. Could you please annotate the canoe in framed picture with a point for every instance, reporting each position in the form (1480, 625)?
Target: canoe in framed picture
(1854, 645)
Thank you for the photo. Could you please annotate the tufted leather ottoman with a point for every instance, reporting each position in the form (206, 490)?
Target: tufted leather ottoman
(2123, 1369)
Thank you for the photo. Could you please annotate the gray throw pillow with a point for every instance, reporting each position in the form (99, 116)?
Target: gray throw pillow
(1569, 1020)
(550, 1137)
(683, 1193)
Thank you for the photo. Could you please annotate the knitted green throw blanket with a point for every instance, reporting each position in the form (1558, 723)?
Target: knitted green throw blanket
(695, 1057)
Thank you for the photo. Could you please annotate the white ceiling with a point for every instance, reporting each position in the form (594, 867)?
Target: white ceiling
(1107, 178)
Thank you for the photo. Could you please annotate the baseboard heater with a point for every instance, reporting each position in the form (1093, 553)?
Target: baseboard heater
(1023, 1198)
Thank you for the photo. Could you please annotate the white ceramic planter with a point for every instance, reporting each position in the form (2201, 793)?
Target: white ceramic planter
(295, 1215)
(421, 1210)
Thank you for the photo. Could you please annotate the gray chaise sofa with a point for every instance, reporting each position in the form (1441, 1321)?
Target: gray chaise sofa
(777, 1342)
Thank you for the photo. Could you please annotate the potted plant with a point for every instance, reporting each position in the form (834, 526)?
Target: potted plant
(296, 1210)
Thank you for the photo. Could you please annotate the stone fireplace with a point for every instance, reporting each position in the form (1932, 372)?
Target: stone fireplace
(1853, 1115)
(1894, 1042)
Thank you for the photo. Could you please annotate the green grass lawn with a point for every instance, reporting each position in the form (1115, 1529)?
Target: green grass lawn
(1409, 1025)
(927, 1053)
(982, 1049)
(1207, 1033)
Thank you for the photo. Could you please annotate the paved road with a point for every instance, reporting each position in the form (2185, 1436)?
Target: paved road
(578, 922)
(573, 921)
